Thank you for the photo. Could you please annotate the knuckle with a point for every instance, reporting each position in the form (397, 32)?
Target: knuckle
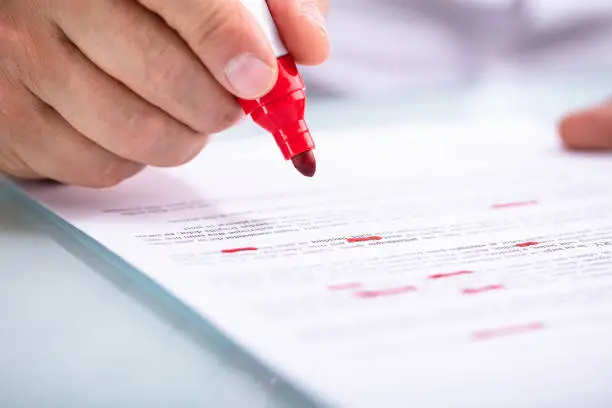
(142, 134)
(14, 113)
(166, 69)
(196, 145)
(114, 171)
(12, 164)
(11, 33)
(221, 24)
(13, 109)
(27, 58)
(185, 150)
(21, 41)
(223, 116)
(154, 139)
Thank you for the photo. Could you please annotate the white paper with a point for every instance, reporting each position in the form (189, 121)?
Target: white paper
(458, 265)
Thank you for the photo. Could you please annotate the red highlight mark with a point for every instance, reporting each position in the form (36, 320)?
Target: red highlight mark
(368, 294)
(235, 250)
(363, 239)
(513, 205)
(505, 331)
(450, 275)
(476, 291)
(345, 286)
(527, 244)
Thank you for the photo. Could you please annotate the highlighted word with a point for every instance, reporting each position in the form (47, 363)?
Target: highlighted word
(506, 331)
(236, 250)
(369, 294)
(527, 244)
(450, 275)
(513, 205)
(363, 239)
(484, 289)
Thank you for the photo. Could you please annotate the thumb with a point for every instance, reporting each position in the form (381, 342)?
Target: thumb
(590, 129)
(301, 24)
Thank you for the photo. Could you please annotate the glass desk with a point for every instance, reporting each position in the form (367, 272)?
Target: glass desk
(76, 332)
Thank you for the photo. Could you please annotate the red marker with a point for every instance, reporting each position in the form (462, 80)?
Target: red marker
(281, 111)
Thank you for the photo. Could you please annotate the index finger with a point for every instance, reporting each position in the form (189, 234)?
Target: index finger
(590, 129)
(227, 40)
(302, 26)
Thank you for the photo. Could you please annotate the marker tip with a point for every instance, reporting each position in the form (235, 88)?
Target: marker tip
(305, 163)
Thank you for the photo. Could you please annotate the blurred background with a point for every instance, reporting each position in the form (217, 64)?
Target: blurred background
(391, 46)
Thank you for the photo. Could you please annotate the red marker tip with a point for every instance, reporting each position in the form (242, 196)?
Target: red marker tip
(305, 163)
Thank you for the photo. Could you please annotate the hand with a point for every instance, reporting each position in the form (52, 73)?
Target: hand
(589, 129)
(91, 91)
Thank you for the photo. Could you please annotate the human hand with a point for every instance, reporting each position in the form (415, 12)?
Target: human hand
(589, 129)
(91, 91)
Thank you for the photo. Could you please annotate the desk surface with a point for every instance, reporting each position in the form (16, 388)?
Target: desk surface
(74, 334)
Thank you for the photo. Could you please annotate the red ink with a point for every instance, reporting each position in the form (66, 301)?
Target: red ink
(235, 250)
(527, 244)
(513, 205)
(504, 331)
(345, 286)
(476, 291)
(363, 239)
(450, 275)
(367, 294)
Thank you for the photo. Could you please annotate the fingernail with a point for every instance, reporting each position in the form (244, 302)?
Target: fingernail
(310, 9)
(250, 76)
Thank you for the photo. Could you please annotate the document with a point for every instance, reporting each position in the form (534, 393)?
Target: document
(467, 264)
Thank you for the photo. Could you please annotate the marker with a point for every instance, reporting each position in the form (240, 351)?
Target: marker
(281, 111)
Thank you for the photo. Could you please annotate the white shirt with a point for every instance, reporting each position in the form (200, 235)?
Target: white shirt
(380, 45)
